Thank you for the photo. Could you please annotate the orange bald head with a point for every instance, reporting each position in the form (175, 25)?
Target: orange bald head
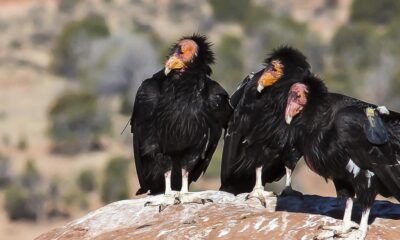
(183, 53)
(272, 73)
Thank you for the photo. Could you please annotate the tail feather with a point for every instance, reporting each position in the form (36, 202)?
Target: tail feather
(390, 177)
(234, 178)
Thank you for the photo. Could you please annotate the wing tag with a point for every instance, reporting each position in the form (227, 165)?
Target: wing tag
(376, 130)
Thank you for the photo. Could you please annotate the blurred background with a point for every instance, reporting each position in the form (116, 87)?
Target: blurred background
(69, 71)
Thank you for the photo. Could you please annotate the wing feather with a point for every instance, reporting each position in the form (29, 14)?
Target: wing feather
(141, 126)
(218, 117)
(382, 159)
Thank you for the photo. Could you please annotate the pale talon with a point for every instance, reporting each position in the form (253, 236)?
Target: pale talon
(162, 208)
(204, 201)
(191, 198)
(341, 229)
(258, 190)
(355, 235)
(325, 235)
(261, 195)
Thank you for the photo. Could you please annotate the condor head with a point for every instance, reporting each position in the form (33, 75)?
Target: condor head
(302, 95)
(192, 53)
(283, 64)
(297, 99)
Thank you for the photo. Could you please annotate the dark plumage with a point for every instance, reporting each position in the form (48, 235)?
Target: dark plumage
(360, 152)
(257, 134)
(177, 119)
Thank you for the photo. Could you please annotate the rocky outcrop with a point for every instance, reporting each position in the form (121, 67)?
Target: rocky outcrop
(228, 217)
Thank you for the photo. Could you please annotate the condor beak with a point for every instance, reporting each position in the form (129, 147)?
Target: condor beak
(267, 79)
(288, 119)
(167, 71)
(173, 63)
(260, 87)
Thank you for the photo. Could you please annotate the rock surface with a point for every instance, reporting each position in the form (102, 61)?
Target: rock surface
(228, 217)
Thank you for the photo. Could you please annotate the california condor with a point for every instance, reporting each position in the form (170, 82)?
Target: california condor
(356, 144)
(177, 120)
(255, 147)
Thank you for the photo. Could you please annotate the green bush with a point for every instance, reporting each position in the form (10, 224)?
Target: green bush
(76, 198)
(236, 11)
(391, 38)
(30, 178)
(254, 17)
(126, 105)
(16, 203)
(355, 50)
(229, 57)
(67, 5)
(87, 181)
(5, 177)
(77, 123)
(115, 185)
(24, 199)
(72, 45)
(372, 11)
(22, 144)
(356, 46)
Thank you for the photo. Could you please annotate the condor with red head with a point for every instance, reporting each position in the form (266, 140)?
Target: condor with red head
(177, 120)
(257, 144)
(354, 143)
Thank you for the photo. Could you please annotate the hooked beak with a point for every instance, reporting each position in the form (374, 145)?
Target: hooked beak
(288, 119)
(167, 71)
(173, 63)
(260, 87)
(267, 79)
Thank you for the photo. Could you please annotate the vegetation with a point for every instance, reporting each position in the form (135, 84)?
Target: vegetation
(67, 5)
(23, 199)
(376, 12)
(17, 204)
(30, 178)
(77, 123)
(115, 185)
(22, 144)
(73, 44)
(126, 105)
(366, 48)
(229, 60)
(75, 197)
(236, 11)
(87, 181)
(5, 176)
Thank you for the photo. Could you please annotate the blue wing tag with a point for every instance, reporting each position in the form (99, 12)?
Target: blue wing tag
(376, 130)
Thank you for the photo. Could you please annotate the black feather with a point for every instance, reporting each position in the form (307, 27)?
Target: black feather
(177, 121)
(337, 146)
(257, 134)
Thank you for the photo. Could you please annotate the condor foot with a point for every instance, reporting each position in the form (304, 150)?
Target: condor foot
(260, 194)
(336, 231)
(356, 234)
(166, 201)
(184, 198)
